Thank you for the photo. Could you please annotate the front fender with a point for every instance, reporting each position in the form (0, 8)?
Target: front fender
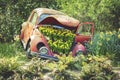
(35, 40)
(78, 47)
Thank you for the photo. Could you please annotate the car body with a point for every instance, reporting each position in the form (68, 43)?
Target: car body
(34, 42)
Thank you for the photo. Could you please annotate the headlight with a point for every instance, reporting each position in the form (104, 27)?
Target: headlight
(79, 52)
(43, 50)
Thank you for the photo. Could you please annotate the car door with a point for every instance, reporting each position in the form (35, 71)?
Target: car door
(27, 27)
(84, 32)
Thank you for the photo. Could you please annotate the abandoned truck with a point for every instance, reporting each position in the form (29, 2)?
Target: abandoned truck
(48, 32)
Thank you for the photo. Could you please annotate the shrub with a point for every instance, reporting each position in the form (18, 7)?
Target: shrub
(105, 44)
(13, 13)
(81, 67)
(88, 68)
(104, 13)
(10, 49)
(7, 67)
(59, 69)
(96, 67)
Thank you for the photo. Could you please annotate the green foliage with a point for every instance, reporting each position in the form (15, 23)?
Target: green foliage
(103, 43)
(8, 64)
(7, 50)
(59, 69)
(107, 43)
(59, 40)
(104, 13)
(96, 68)
(91, 68)
(10, 49)
(13, 13)
(33, 69)
(7, 67)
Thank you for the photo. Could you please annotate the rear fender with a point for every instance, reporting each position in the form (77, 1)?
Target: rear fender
(78, 47)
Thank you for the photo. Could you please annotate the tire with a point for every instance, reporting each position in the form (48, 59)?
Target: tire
(79, 53)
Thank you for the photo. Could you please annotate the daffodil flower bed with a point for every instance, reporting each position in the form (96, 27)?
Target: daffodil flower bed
(106, 43)
(59, 40)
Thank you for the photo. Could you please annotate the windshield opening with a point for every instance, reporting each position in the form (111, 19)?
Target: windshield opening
(59, 38)
(57, 27)
(42, 16)
(84, 29)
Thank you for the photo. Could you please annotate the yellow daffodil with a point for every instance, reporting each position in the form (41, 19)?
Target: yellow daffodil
(91, 42)
(0, 35)
(100, 44)
(119, 36)
(107, 39)
(16, 37)
(119, 30)
(111, 33)
(101, 35)
(107, 33)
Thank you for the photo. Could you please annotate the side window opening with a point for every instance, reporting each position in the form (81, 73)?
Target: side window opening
(43, 16)
(34, 18)
(84, 30)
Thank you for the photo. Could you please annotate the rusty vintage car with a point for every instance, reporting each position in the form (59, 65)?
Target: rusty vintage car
(34, 41)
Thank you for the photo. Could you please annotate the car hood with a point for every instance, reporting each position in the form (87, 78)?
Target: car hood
(63, 20)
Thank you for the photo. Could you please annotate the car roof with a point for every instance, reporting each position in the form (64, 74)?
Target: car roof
(56, 17)
(60, 20)
(47, 11)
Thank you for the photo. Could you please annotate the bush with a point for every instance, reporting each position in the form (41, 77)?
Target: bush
(81, 67)
(13, 13)
(97, 68)
(7, 67)
(104, 13)
(106, 44)
(9, 50)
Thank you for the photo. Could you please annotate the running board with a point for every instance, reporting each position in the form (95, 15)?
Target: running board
(46, 56)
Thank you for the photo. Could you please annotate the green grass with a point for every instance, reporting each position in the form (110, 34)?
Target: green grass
(12, 50)
(8, 50)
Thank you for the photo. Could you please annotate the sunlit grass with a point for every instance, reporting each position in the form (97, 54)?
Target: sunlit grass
(7, 50)
(12, 50)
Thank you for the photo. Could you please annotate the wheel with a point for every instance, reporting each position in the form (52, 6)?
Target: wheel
(78, 53)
